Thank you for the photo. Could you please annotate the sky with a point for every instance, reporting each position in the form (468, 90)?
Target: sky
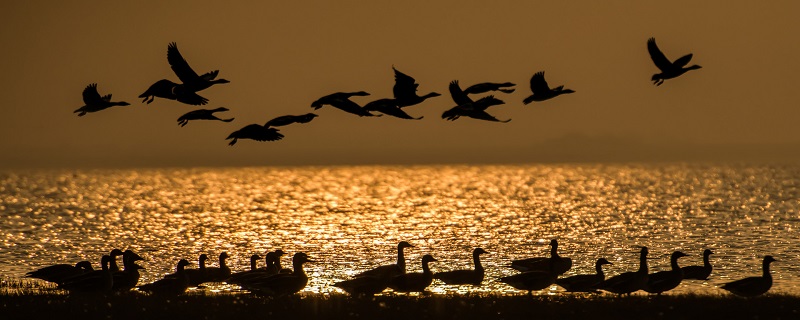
(281, 56)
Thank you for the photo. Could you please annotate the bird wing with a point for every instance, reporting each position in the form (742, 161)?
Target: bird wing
(459, 97)
(211, 75)
(179, 64)
(90, 95)
(538, 84)
(404, 85)
(658, 57)
(191, 98)
(682, 61)
(482, 115)
(395, 112)
(107, 97)
(268, 134)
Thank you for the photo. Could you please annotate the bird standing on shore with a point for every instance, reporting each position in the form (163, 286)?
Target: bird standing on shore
(752, 286)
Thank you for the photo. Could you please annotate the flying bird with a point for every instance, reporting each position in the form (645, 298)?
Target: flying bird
(191, 81)
(289, 119)
(469, 108)
(255, 132)
(405, 90)
(166, 89)
(202, 114)
(668, 69)
(489, 86)
(390, 107)
(93, 102)
(341, 101)
(541, 91)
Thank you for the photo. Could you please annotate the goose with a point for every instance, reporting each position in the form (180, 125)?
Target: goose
(289, 119)
(414, 282)
(341, 101)
(218, 274)
(166, 89)
(541, 91)
(191, 81)
(195, 276)
(389, 107)
(255, 132)
(202, 114)
(473, 277)
(699, 272)
(489, 86)
(405, 90)
(533, 280)
(585, 282)
(390, 270)
(112, 264)
(93, 102)
(57, 273)
(171, 285)
(236, 277)
(366, 285)
(128, 278)
(668, 69)
(752, 286)
(543, 264)
(282, 284)
(666, 280)
(97, 281)
(276, 263)
(628, 282)
(469, 108)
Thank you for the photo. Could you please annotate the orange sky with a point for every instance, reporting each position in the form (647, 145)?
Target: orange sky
(281, 56)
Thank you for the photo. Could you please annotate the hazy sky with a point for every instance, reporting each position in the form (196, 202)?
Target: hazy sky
(282, 55)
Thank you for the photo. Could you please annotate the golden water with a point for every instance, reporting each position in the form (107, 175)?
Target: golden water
(350, 219)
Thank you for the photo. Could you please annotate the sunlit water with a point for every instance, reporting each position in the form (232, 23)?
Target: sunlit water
(350, 219)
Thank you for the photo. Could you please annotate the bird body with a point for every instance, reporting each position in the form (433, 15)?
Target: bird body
(202, 114)
(666, 280)
(218, 274)
(390, 107)
(365, 285)
(191, 81)
(489, 86)
(561, 264)
(541, 91)
(255, 132)
(59, 272)
(699, 272)
(752, 286)
(585, 282)
(469, 108)
(93, 102)
(391, 270)
(166, 89)
(414, 282)
(128, 278)
(289, 119)
(97, 281)
(669, 69)
(341, 101)
(628, 282)
(459, 277)
(172, 285)
(405, 90)
(282, 284)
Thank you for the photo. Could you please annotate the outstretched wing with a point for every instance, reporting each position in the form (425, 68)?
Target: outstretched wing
(459, 97)
(404, 86)
(90, 95)
(191, 98)
(682, 61)
(538, 84)
(179, 65)
(482, 115)
(211, 75)
(658, 57)
(397, 112)
(107, 97)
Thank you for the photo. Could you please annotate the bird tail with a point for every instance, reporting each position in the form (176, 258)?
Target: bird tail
(528, 100)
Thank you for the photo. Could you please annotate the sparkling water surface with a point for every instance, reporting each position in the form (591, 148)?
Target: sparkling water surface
(350, 219)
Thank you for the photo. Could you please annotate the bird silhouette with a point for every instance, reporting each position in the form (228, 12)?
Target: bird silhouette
(390, 107)
(666, 280)
(166, 89)
(202, 114)
(191, 81)
(489, 86)
(405, 90)
(541, 91)
(289, 119)
(699, 272)
(562, 264)
(628, 282)
(585, 282)
(668, 69)
(341, 101)
(255, 132)
(465, 276)
(752, 286)
(468, 108)
(93, 102)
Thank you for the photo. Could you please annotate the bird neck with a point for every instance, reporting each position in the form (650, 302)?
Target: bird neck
(253, 263)
(112, 264)
(673, 261)
(222, 264)
(706, 263)
(298, 268)
(766, 270)
(554, 251)
(401, 260)
(599, 268)
(202, 264)
(476, 258)
(643, 263)
(180, 269)
(425, 268)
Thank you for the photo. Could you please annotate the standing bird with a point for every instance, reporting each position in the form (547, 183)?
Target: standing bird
(255, 132)
(57, 273)
(414, 282)
(752, 286)
(283, 283)
(541, 91)
(390, 107)
(468, 108)
(218, 274)
(202, 114)
(405, 90)
(97, 281)
(341, 101)
(171, 285)
(628, 282)
(390, 270)
(489, 86)
(666, 280)
(668, 69)
(533, 280)
(473, 277)
(542, 263)
(585, 282)
(166, 89)
(699, 272)
(191, 81)
(127, 278)
(289, 119)
(93, 102)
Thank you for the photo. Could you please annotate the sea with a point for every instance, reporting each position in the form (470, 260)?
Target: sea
(350, 218)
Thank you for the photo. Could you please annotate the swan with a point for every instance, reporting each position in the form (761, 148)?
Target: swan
(391, 270)
(699, 272)
(752, 286)
(585, 282)
(628, 282)
(255, 132)
(191, 81)
(666, 280)
(543, 264)
(166, 89)
(414, 282)
(541, 91)
(390, 107)
(93, 102)
(202, 114)
(668, 69)
(473, 277)
(489, 86)
(171, 285)
(405, 90)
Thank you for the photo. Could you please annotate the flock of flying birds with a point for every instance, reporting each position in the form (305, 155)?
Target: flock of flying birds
(538, 273)
(404, 90)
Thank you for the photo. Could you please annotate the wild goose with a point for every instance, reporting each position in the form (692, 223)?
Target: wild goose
(218, 274)
(489, 86)
(173, 285)
(628, 282)
(405, 90)
(93, 102)
(457, 277)
(391, 270)
(166, 89)
(255, 132)
(282, 284)
(289, 119)
(365, 285)
(112, 264)
(668, 69)
(533, 280)
(752, 286)
(191, 81)
(195, 276)
(389, 107)
(666, 280)
(128, 278)
(236, 277)
(541, 91)
(341, 101)
(202, 114)
(562, 264)
(57, 273)
(414, 282)
(468, 108)
(699, 272)
(585, 282)
(97, 281)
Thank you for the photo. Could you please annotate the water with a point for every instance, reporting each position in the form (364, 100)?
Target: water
(350, 219)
